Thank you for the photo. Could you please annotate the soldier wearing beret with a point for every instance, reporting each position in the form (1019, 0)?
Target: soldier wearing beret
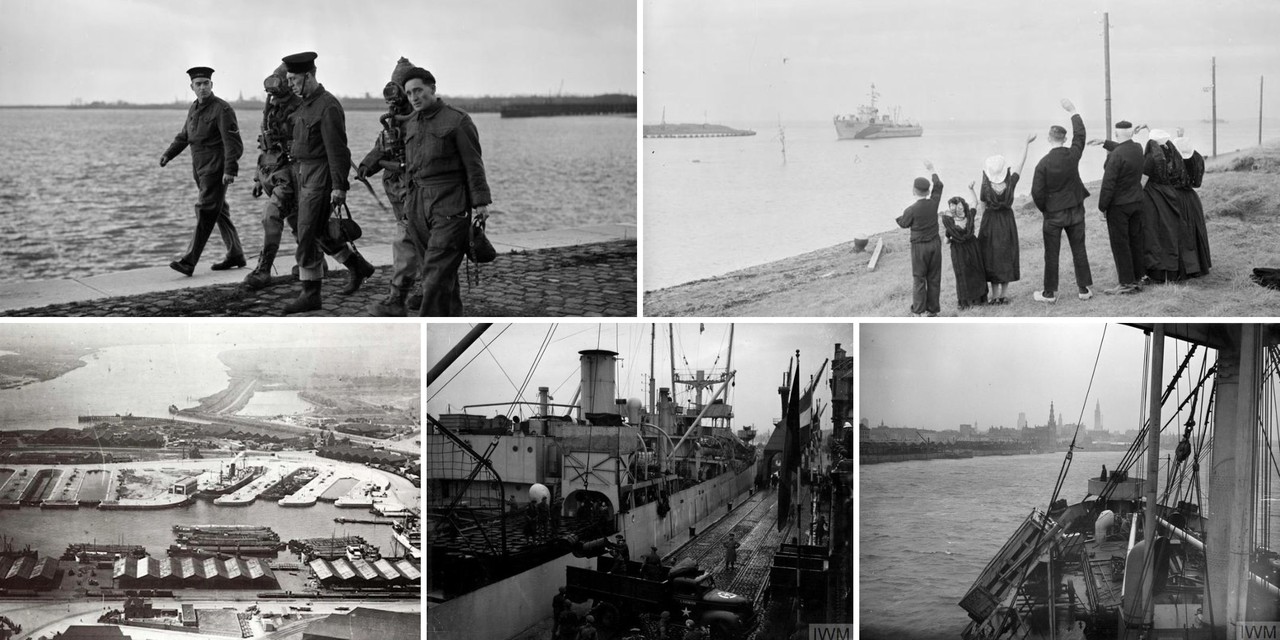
(321, 162)
(214, 137)
(447, 186)
(387, 156)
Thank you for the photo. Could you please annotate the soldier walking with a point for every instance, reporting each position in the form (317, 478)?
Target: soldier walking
(274, 177)
(448, 191)
(558, 605)
(731, 553)
(214, 137)
(321, 162)
(387, 156)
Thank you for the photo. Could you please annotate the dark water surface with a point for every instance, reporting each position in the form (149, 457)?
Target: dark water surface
(927, 528)
(82, 192)
(51, 530)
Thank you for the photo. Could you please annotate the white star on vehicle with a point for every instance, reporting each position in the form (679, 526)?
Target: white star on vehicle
(686, 612)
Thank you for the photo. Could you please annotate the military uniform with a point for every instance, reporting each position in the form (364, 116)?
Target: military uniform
(321, 162)
(275, 179)
(447, 180)
(387, 156)
(214, 137)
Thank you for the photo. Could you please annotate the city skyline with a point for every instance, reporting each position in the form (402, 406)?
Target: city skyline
(991, 372)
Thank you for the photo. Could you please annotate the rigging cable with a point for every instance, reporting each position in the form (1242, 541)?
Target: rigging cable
(537, 360)
(1066, 462)
(463, 367)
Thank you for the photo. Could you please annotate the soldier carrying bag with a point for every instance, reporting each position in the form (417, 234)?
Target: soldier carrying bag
(479, 249)
(345, 229)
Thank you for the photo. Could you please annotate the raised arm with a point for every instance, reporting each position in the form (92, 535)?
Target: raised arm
(1023, 163)
(978, 205)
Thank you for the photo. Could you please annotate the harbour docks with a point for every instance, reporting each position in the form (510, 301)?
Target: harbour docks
(139, 486)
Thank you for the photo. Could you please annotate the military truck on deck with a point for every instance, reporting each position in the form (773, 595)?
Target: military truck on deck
(686, 591)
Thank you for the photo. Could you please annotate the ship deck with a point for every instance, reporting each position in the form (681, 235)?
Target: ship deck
(754, 525)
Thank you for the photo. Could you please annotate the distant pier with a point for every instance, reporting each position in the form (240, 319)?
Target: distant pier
(694, 131)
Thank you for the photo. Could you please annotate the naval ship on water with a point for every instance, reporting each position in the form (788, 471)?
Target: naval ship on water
(869, 124)
(606, 466)
(1167, 544)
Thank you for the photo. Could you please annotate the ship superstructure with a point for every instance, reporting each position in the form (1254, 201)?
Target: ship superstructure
(605, 466)
(870, 124)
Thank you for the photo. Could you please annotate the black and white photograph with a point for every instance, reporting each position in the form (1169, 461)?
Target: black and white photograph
(1068, 480)
(173, 480)
(639, 481)
(320, 158)
(928, 158)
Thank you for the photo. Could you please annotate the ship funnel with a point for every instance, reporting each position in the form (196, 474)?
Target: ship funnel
(544, 401)
(597, 382)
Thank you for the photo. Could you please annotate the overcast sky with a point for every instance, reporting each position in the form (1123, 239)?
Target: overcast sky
(251, 334)
(53, 51)
(761, 353)
(938, 376)
(995, 60)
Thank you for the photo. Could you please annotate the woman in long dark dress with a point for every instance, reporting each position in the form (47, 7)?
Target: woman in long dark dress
(998, 231)
(1195, 234)
(966, 257)
(1162, 223)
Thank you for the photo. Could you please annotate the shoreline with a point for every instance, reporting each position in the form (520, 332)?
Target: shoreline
(1239, 205)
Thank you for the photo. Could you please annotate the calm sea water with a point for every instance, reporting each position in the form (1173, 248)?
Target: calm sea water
(927, 528)
(714, 205)
(51, 530)
(274, 403)
(82, 193)
(142, 379)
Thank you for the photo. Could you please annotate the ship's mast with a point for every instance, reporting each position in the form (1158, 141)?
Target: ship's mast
(1153, 471)
(1231, 473)
(653, 342)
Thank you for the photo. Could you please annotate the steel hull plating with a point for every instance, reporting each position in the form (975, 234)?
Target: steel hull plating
(473, 615)
(864, 131)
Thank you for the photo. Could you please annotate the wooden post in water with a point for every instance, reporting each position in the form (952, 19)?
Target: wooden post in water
(1106, 58)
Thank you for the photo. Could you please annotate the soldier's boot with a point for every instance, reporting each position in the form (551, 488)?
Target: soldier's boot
(308, 300)
(358, 269)
(414, 301)
(260, 277)
(392, 305)
(324, 270)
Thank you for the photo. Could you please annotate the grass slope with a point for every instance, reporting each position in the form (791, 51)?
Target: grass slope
(1241, 197)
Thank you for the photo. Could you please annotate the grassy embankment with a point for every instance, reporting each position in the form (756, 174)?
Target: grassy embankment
(1241, 197)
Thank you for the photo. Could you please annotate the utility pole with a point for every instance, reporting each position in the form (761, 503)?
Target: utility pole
(1214, 86)
(1260, 79)
(1106, 58)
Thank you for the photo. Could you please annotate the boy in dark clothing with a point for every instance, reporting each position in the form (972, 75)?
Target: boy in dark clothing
(926, 247)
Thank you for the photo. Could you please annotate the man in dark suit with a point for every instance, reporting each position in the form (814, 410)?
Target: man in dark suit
(926, 247)
(1120, 202)
(1059, 194)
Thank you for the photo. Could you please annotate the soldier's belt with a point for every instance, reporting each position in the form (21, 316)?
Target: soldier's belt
(441, 180)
